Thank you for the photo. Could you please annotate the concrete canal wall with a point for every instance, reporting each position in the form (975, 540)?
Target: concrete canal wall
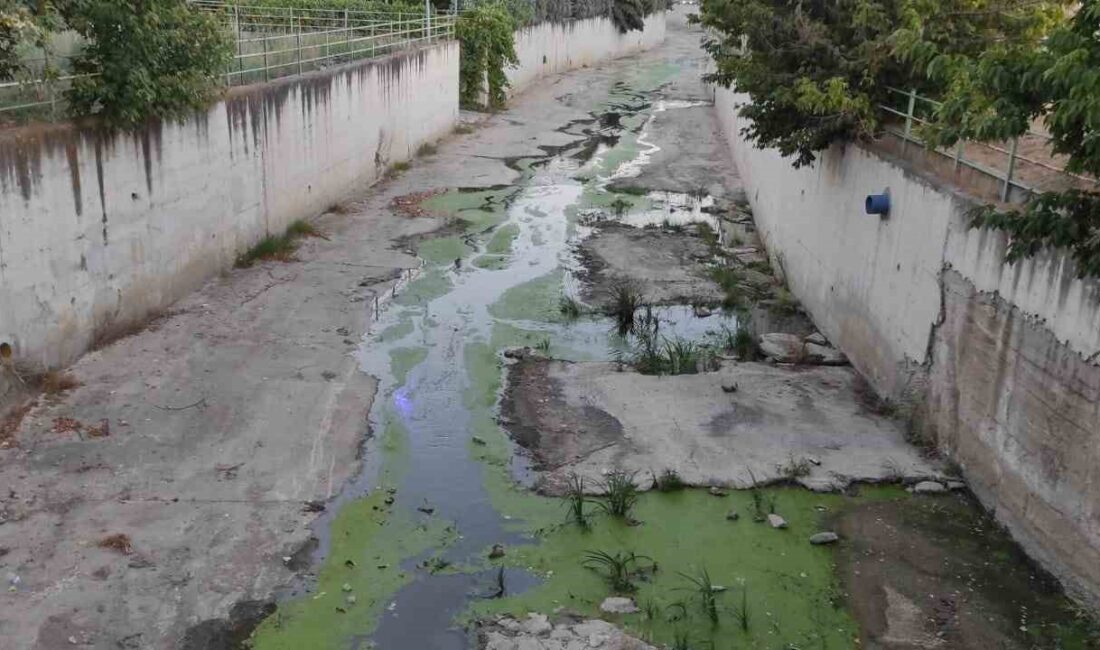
(99, 231)
(548, 48)
(1000, 363)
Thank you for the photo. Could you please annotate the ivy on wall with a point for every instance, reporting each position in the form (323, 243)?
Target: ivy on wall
(485, 34)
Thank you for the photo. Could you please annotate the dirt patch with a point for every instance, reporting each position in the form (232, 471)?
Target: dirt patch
(542, 421)
(742, 424)
(938, 572)
(669, 267)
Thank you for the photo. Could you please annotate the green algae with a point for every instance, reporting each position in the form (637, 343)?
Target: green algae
(443, 250)
(432, 284)
(791, 589)
(370, 539)
(402, 360)
(398, 331)
(491, 262)
(480, 209)
(536, 300)
(501, 243)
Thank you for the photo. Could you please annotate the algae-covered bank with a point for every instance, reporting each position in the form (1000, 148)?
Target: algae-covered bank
(501, 510)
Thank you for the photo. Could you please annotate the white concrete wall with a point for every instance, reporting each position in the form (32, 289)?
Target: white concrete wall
(98, 232)
(549, 48)
(1000, 361)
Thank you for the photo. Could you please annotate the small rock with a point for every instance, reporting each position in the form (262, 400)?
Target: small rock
(517, 353)
(618, 605)
(537, 625)
(478, 440)
(732, 515)
(824, 538)
(346, 587)
(716, 491)
(776, 521)
(729, 388)
(328, 375)
(702, 311)
(814, 460)
(313, 506)
(388, 500)
(351, 599)
(497, 552)
(426, 509)
(956, 485)
(928, 487)
(817, 338)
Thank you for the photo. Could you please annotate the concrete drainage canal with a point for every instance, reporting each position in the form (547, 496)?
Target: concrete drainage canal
(604, 423)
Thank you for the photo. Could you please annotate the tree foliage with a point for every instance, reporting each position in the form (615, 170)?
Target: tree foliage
(146, 58)
(485, 35)
(816, 70)
(999, 93)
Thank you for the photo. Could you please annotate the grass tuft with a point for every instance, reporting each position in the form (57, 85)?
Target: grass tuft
(620, 494)
(569, 307)
(705, 592)
(668, 481)
(577, 501)
(427, 149)
(620, 569)
(727, 278)
(625, 301)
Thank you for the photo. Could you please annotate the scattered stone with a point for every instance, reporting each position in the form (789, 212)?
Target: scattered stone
(346, 587)
(788, 348)
(733, 515)
(702, 311)
(313, 506)
(813, 460)
(956, 485)
(478, 440)
(824, 538)
(537, 625)
(716, 491)
(343, 331)
(388, 500)
(426, 509)
(618, 605)
(351, 599)
(776, 521)
(497, 552)
(729, 388)
(517, 353)
(817, 338)
(328, 375)
(928, 487)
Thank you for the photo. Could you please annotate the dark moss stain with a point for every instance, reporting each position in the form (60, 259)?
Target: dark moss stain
(99, 180)
(74, 176)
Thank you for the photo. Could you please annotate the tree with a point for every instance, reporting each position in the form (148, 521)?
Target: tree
(817, 70)
(485, 35)
(145, 58)
(997, 94)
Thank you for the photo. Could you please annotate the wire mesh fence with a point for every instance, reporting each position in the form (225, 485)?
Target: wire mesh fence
(1023, 166)
(269, 42)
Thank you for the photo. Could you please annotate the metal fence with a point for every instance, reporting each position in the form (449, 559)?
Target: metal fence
(269, 42)
(1022, 166)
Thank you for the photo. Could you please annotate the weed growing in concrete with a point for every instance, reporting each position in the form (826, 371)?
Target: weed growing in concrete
(302, 228)
(684, 357)
(675, 228)
(653, 355)
(569, 307)
(620, 494)
(463, 129)
(273, 247)
(543, 345)
(744, 344)
(761, 505)
(705, 592)
(54, 382)
(707, 234)
(794, 468)
(577, 501)
(668, 481)
(785, 301)
(280, 248)
(620, 206)
(620, 569)
(727, 278)
(398, 168)
(625, 301)
(427, 149)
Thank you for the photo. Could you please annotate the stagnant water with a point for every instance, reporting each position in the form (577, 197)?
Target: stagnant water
(417, 347)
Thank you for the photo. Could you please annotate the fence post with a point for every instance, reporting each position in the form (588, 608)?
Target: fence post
(1011, 168)
(909, 119)
(267, 69)
(428, 20)
(299, 48)
(240, 51)
(347, 34)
